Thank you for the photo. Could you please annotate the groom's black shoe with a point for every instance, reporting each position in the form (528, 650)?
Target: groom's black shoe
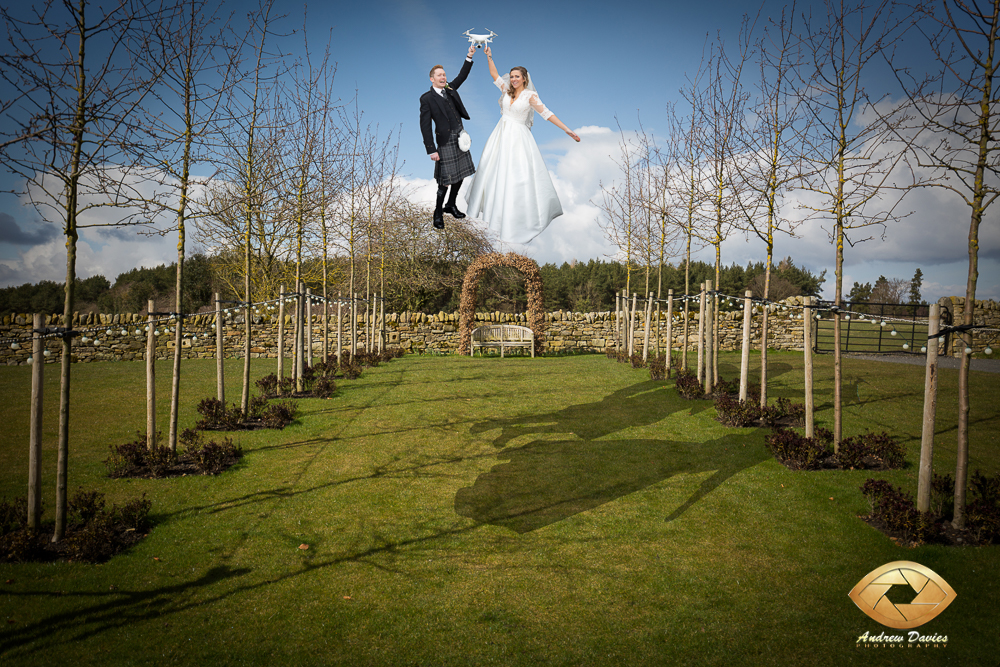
(453, 211)
(438, 219)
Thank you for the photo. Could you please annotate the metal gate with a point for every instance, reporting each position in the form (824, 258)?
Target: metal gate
(877, 328)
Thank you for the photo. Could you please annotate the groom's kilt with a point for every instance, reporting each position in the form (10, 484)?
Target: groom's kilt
(454, 165)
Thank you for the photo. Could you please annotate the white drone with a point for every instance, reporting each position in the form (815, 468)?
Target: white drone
(480, 40)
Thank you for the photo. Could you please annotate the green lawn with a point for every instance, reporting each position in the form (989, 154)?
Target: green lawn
(462, 511)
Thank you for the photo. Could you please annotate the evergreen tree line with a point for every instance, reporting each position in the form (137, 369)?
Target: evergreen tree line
(577, 286)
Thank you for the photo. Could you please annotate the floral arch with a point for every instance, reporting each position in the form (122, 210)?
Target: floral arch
(470, 286)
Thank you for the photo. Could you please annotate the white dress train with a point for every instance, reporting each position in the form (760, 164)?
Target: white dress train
(511, 190)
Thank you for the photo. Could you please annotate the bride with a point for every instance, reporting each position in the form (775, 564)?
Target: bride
(512, 191)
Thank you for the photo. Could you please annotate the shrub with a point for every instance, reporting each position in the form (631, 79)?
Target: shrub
(109, 531)
(873, 451)
(13, 515)
(736, 413)
(658, 367)
(688, 385)
(982, 515)
(212, 457)
(268, 385)
(783, 411)
(130, 457)
(324, 387)
(797, 451)
(279, 415)
(894, 510)
(636, 361)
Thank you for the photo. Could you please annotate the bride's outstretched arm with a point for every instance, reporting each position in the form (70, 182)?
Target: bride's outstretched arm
(493, 68)
(558, 123)
(543, 111)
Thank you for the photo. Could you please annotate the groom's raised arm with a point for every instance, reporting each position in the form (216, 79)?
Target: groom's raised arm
(466, 68)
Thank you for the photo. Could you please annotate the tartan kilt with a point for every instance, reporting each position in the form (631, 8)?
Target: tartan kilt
(455, 164)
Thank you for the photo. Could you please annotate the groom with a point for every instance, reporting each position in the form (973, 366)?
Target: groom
(442, 105)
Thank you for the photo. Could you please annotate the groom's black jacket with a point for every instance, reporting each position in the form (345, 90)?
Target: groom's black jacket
(433, 107)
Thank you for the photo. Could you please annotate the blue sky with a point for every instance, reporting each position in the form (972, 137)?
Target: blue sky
(593, 63)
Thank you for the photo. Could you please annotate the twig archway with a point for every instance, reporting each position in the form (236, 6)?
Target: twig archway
(470, 286)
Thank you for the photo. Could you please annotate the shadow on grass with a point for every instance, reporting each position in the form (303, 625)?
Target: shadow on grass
(546, 481)
(107, 610)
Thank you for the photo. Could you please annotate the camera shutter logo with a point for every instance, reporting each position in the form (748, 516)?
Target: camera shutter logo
(933, 594)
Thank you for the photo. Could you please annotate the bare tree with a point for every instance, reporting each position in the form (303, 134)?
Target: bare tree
(957, 110)
(769, 163)
(623, 206)
(850, 163)
(689, 131)
(198, 66)
(723, 105)
(78, 78)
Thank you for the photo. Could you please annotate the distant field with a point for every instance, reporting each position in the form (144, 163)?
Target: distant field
(869, 336)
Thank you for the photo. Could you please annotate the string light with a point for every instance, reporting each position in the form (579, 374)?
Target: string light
(968, 350)
(47, 353)
(923, 348)
(906, 346)
(15, 346)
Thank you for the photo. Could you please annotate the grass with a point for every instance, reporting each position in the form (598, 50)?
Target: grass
(476, 511)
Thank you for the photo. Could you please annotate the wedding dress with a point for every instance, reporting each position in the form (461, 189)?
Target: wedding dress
(511, 190)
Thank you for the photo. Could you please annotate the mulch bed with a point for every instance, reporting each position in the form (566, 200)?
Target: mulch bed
(943, 533)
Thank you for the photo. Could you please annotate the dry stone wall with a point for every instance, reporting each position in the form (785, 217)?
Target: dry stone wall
(414, 332)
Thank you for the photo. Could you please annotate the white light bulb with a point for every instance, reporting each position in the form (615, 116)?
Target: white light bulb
(146, 329)
(818, 316)
(213, 326)
(30, 361)
(906, 346)
(124, 333)
(194, 339)
(156, 332)
(97, 342)
(47, 353)
(923, 348)
(108, 332)
(84, 339)
(847, 317)
(988, 350)
(882, 323)
(15, 346)
(968, 350)
(892, 333)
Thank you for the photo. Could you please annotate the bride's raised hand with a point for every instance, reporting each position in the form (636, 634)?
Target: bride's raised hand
(487, 51)
(573, 134)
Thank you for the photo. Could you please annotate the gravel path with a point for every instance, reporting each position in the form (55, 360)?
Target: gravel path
(985, 365)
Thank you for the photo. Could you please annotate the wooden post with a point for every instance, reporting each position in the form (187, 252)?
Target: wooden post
(807, 344)
(618, 322)
(925, 475)
(150, 376)
(709, 338)
(281, 335)
(308, 342)
(649, 315)
(35, 441)
(684, 348)
(340, 327)
(354, 326)
(745, 350)
(670, 330)
(220, 352)
(299, 334)
(326, 327)
(701, 334)
(381, 322)
(631, 326)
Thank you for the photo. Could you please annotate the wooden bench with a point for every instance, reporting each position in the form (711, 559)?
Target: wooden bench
(502, 336)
